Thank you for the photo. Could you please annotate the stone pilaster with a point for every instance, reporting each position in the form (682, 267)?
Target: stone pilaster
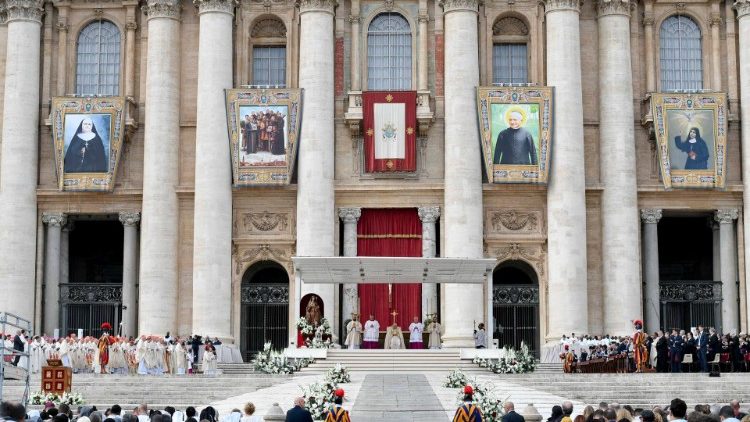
(652, 308)
(129, 222)
(212, 245)
(620, 225)
(160, 214)
(422, 64)
(429, 216)
(350, 217)
(730, 316)
(743, 35)
(462, 210)
(54, 222)
(566, 201)
(315, 194)
(19, 157)
(354, 62)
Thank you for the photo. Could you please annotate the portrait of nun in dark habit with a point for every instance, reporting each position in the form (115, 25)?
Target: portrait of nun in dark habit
(86, 153)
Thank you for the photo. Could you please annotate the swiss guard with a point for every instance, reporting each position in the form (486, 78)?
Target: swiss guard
(104, 342)
(468, 412)
(640, 350)
(337, 413)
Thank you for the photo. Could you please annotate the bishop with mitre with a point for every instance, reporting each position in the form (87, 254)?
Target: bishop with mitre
(353, 332)
(394, 337)
(436, 333)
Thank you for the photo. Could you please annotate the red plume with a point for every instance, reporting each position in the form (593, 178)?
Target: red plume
(468, 390)
(106, 326)
(339, 392)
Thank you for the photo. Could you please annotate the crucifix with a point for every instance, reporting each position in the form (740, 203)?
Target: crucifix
(393, 314)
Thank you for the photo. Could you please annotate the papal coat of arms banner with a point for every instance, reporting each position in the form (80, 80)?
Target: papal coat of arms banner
(87, 133)
(515, 125)
(264, 126)
(390, 124)
(691, 135)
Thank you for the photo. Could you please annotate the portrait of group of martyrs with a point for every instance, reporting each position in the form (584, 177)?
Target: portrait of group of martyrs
(264, 135)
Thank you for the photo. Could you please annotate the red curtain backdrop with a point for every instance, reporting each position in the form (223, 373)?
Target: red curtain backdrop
(409, 163)
(390, 232)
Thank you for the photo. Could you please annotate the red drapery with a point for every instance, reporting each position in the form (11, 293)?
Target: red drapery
(409, 163)
(390, 232)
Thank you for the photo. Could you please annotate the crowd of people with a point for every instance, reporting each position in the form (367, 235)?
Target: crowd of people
(668, 351)
(675, 411)
(110, 354)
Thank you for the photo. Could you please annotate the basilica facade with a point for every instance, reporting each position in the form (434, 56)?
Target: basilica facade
(176, 245)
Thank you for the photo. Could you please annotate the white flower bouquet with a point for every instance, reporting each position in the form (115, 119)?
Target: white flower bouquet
(338, 374)
(456, 379)
(485, 397)
(71, 399)
(318, 398)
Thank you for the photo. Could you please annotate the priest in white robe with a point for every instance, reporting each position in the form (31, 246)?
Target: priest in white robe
(353, 332)
(415, 334)
(436, 333)
(372, 333)
(394, 337)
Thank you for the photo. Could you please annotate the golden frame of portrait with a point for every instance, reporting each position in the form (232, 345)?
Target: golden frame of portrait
(111, 109)
(676, 115)
(287, 102)
(535, 106)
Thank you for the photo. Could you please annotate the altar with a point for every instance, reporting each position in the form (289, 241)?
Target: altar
(394, 271)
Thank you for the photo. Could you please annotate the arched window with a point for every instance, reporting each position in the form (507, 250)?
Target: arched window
(98, 66)
(510, 38)
(389, 53)
(269, 52)
(680, 54)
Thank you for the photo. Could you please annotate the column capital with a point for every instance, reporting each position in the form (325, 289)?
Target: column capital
(220, 6)
(355, 19)
(54, 219)
(429, 214)
(24, 10)
(558, 5)
(350, 215)
(726, 216)
(169, 9)
(130, 218)
(325, 6)
(460, 6)
(651, 215)
(648, 19)
(742, 7)
(613, 7)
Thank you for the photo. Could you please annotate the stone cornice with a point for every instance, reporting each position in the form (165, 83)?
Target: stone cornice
(651, 215)
(350, 215)
(324, 6)
(613, 7)
(130, 218)
(429, 214)
(56, 219)
(219, 6)
(24, 10)
(559, 5)
(169, 9)
(460, 6)
(726, 216)
(742, 7)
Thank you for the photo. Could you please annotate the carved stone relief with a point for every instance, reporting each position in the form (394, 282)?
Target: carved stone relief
(265, 223)
(247, 255)
(515, 221)
(534, 254)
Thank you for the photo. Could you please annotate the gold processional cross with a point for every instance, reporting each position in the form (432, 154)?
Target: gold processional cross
(393, 314)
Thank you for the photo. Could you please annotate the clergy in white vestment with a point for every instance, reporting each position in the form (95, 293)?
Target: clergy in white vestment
(179, 357)
(209, 360)
(64, 353)
(436, 334)
(415, 334)
(23, 361)
(394, 337)
(372, 333)
(353, 332)
(37, 355)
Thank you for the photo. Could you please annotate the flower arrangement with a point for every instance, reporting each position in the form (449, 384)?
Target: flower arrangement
(338, 374)
(304, 326)
(270, 361)
(485, 397)
(456, 379)
(319, 397)
(71, 399)
(511, 361)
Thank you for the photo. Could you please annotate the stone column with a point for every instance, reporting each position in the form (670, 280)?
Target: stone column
(130, 28)
(462, 212)
(652, 305)
(730, 317)
(212, 246)
(54, 221)
(350, 217)
(648, 30)
(160, 213)
(715, 21)
(429, 216)
(316, 216)
(620, 226)
(716, 249)
(62, 48)
(129, 222)
(355, 63)
(743, 18)
(422, 65)
(566, 193)
(19, 157)
(65, 252)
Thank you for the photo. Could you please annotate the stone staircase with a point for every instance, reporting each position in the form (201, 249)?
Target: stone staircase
(394, 361)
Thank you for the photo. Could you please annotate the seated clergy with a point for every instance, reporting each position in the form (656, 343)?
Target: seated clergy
(394, 337)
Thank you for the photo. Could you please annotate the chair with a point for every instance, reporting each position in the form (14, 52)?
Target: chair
(716, 361)
(687, 359)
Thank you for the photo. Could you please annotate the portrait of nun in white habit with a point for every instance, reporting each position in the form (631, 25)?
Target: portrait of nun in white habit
(86, 153)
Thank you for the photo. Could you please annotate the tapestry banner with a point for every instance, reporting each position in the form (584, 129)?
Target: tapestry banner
(264, 126)
(390, 123)
(87, 133)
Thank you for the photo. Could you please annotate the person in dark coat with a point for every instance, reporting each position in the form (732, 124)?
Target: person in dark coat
(195, 345)
(515, 145)
(714, 344)
(298, 413)
(662, 353)
(85, 153)
(675, 350)
(18, 345)
(701, 346)
(696, 149)
(510, 413)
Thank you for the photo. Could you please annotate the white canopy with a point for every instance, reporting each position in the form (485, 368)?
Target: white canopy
(361, 269)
